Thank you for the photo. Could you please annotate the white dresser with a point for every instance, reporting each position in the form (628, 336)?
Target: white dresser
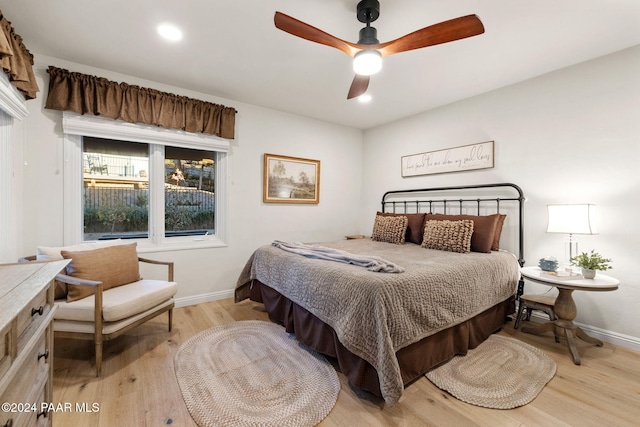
(26, 342)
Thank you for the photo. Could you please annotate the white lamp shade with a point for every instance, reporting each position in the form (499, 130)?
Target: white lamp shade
(572, 219)
(367, 62)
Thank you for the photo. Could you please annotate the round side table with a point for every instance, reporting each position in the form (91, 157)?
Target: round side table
(565, 307)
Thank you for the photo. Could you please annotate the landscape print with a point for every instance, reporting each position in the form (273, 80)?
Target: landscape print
(291, 179)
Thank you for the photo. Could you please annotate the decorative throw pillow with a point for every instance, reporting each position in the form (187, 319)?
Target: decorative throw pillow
(484, 228)
(415, 226)
(113, 266)
(59, 290)
(390, 229)
(498, 233)
(53, 253)
(445, 235)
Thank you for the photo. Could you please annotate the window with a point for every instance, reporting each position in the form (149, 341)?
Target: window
(115, 189)
(189, 192)
(161, 187)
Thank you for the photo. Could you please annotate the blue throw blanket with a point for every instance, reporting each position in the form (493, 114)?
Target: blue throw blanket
(370, 262)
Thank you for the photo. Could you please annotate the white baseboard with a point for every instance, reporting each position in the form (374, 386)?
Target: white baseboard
(604, 335)
(199, 299)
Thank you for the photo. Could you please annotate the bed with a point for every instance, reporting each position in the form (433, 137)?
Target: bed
(385, 330)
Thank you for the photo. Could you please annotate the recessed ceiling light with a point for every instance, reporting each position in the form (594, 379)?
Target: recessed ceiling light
(170, 32)
(364, 98)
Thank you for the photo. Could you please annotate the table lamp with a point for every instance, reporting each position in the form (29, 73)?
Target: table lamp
(571, 219)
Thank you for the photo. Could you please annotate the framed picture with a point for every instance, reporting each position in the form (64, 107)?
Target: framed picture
(455, 159)
(290, 180)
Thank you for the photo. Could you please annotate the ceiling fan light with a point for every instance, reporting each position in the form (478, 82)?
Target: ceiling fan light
(367, 62)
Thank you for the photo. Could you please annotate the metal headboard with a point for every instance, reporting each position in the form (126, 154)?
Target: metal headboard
(423, 203)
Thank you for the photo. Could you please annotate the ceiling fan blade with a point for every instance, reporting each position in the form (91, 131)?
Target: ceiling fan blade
(358, 86)
(300, 29)
(444, 32)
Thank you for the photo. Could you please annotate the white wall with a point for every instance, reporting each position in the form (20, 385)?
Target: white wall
(568, 136)
(251, 223)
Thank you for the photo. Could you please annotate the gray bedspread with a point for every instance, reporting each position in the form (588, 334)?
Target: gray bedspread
(375, 314)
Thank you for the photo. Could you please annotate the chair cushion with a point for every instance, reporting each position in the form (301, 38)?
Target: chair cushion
(118, 303)
(53, 253)
(108, 328)
(113, 266)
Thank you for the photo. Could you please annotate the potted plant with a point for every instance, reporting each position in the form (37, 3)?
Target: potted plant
(590, 262)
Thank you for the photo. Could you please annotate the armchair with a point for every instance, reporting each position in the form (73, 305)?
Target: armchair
(101, 295)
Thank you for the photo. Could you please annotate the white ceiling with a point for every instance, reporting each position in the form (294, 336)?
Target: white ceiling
(231, 48)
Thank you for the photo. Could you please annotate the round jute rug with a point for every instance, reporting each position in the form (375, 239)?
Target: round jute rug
(252, 373)
(501, 373)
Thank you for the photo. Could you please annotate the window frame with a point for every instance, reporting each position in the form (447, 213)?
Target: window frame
(76, 126)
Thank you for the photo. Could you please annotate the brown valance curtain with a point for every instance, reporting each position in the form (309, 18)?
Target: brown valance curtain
(16, 60)
(84, 94)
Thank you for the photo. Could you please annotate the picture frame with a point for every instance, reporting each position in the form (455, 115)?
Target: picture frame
(290, 180)
(454, 159)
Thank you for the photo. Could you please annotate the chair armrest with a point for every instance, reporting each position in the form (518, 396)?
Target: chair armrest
(169, 265)
(69, 280)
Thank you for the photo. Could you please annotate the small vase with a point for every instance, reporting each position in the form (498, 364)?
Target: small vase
(588, 274)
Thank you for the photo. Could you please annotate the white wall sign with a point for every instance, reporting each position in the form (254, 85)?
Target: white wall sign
(456, 159)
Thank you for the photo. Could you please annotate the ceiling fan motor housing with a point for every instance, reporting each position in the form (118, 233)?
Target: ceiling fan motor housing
(368, 11)
(368, 35)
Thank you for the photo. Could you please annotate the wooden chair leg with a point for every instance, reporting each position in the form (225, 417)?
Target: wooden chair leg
(519, 316)
(98, 327)
(529, 311)
(170, 319)
(98, 359)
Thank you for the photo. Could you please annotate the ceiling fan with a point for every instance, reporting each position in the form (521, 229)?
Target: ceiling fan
(368, 52)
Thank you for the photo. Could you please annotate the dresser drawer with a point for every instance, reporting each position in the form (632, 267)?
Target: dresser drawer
(26, 392)
(33, 312)
(29, 372)
(30, 412)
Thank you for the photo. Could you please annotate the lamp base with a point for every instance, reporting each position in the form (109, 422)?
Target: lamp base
(570, 250)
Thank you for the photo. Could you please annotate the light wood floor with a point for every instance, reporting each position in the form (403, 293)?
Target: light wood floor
(139, 386)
